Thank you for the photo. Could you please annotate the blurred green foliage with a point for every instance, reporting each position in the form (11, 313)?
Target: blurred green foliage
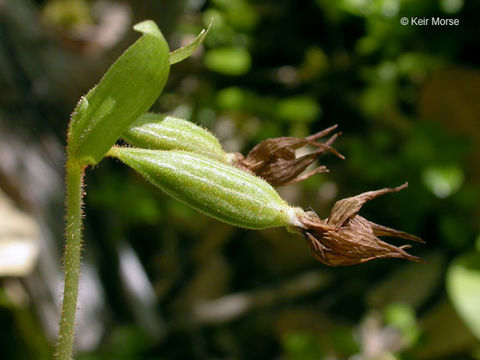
(228, 60)
(406, 100)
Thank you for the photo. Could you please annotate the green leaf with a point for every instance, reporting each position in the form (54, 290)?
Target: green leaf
(127, 90)
(184, 52)
(463, 285)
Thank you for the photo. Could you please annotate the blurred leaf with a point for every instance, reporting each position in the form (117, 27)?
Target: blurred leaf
(344, 341)
(302, 346)
(410, 284)
(376, 98)
(463, 285)
(124, 343)
(453, 231)
(476, 352)
(228, 60)
(301, 108)
(232, 98)
(239, 13)
(443, 181)
(383, 8)
(451, 6)
(445, 333)
(314, 64)
(450, 97)
(417, 64)
(402, 317)
(132, 201)
(69, 14)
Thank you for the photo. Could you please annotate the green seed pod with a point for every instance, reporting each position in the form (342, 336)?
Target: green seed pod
(161, 132)
(212, 187)
(126, 91)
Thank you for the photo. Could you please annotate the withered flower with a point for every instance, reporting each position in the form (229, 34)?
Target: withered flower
(275, 160)
(346, 238)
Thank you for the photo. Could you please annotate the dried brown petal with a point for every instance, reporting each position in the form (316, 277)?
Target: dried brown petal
(346, 238)
(275, 160)
(346, 208)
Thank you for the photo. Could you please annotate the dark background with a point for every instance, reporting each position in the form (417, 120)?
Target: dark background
(161, 281)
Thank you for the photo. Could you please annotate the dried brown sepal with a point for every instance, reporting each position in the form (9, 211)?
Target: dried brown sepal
(276, 162)
(346, 238)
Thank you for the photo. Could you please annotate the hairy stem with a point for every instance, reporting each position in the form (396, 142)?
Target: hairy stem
(73, 246)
